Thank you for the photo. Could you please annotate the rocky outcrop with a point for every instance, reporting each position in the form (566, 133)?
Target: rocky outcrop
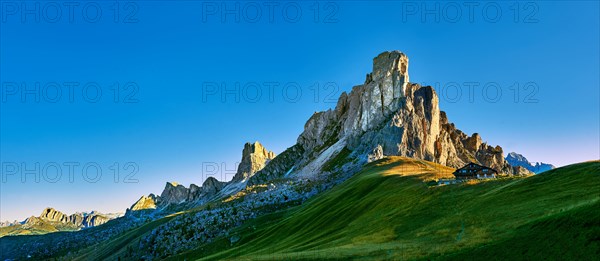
(517, 159)
(388, 116)
(173, 193)
(78, 220)
(280, 166)
(53, 215)
(144, 203)
(95, 220)
(209, 188)
(254, 158)
(176, 194)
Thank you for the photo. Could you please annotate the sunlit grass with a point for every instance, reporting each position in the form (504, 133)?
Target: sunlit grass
(388, 212)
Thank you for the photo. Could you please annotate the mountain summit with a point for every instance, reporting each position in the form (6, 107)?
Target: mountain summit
(517, 159)
(385, 116)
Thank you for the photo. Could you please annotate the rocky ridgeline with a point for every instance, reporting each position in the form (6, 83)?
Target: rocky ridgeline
(516, 159)
(254, 157)
(77, 220)
(174, 194)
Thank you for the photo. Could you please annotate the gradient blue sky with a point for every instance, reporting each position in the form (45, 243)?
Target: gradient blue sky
(170, 52)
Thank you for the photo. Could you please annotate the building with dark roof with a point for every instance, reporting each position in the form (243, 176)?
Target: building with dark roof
(475, 171)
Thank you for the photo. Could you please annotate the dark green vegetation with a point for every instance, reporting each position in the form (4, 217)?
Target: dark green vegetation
(385, 214)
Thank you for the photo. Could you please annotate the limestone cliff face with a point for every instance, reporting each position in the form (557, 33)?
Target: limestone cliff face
(254, 158)
(387, 116)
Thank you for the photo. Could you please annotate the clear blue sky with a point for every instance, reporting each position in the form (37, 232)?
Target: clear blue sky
(170, 50)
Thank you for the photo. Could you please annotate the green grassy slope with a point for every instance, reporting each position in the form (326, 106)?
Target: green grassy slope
(388, 212)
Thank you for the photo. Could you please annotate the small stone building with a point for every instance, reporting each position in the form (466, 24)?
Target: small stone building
(475, 171)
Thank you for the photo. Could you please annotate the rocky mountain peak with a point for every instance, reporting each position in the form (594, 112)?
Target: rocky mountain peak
(211, 186)
(52, 214)
(145, 202)
(254, 157)
(390, 69)
(173, 193)
(517, 159)
(516, 156)
(385, 116)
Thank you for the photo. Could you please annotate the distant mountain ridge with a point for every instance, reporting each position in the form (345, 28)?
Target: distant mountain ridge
(517, 159)
(52, 220)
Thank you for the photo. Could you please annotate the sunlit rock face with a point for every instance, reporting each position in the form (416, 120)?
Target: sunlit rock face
(387, 116)
(145, 202)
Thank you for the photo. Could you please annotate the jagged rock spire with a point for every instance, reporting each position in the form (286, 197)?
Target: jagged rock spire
(254, 157)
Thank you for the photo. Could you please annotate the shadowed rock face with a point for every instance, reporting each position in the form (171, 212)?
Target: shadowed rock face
(209, 188)
(177, 194)
(173, 193)
(388, 116)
